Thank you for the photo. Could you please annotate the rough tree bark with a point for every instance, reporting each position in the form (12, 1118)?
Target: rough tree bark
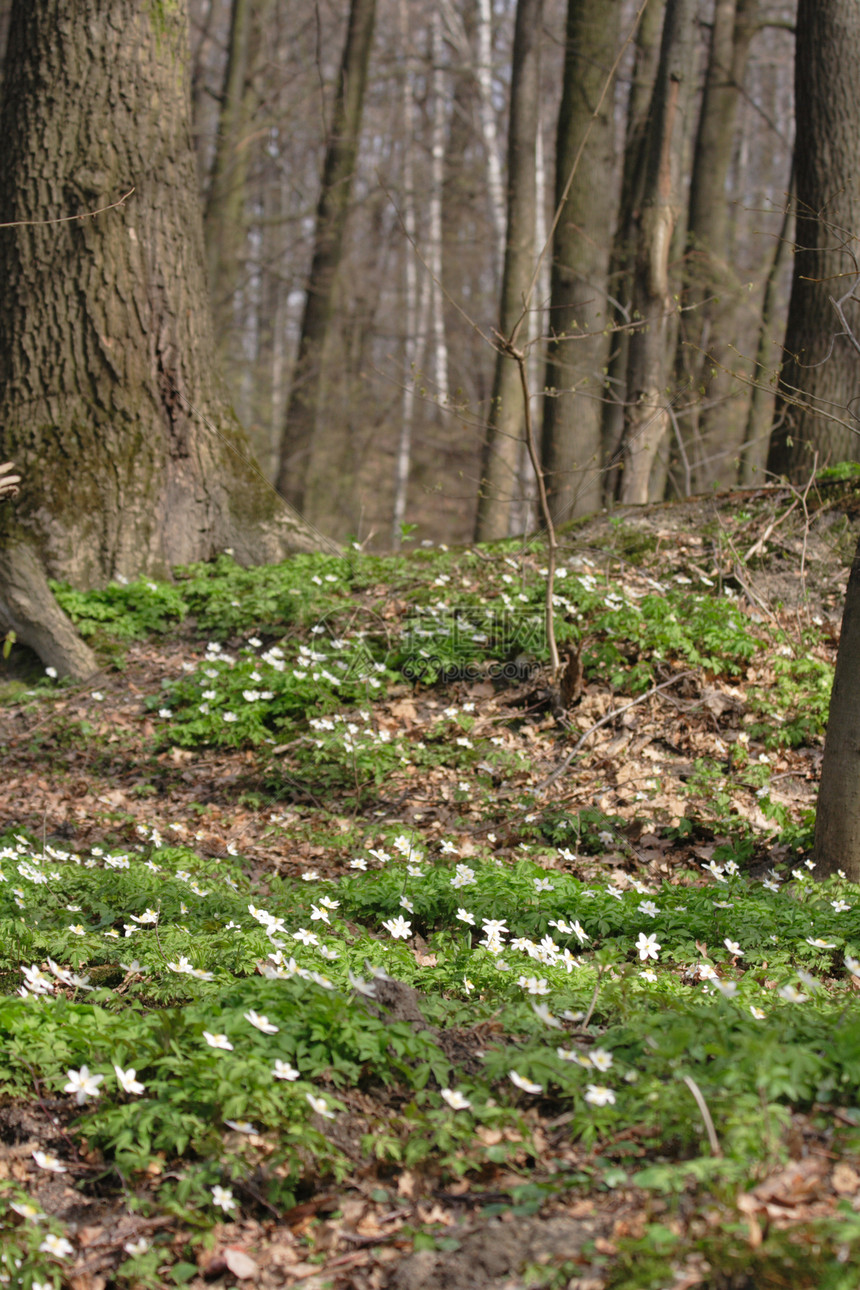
(646, 414)
(504, 432)
(837, 818)
(332, 211)
(824, 365)
(579, 311)
(820, 380)
(109, 403)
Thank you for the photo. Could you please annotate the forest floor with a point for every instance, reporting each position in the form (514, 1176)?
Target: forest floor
(553, 1000)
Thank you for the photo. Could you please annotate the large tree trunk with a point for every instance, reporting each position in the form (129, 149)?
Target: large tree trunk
(646, 415)
(332, 211)
(504, 433)
(837, 819)
(820, 380)
(823, 366)
(109, 403)
(579, 312)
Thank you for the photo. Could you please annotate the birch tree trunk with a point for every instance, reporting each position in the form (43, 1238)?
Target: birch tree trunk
(646, 417)
(332, 211)
(437, 182)
(484, 75)
(504, 432)
(110, 405)
(414, 340)
(524, 510)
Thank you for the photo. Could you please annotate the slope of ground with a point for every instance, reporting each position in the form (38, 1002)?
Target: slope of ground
(335, 955)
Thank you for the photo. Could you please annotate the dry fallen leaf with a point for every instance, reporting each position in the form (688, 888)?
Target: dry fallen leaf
(845, 1180)
(581, 1209)
(87, 1281)
(240, 1263)
(90, 1236)
(435, 1214)
(404, 710)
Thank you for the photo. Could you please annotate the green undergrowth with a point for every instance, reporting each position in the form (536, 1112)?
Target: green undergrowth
(179, 969)
(239, 1039)
(321, 633)
(815, 1255)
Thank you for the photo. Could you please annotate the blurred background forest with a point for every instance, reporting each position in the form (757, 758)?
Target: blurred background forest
(405, 376)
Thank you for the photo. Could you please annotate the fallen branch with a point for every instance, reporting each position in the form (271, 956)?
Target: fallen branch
(604, 721)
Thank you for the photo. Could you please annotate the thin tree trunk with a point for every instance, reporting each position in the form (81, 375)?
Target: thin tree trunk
(331, 219)
(645, 64)
(578, 349)
(484, 76)
(760, 413)
(223, 219)
(437, 184)
(820, 380)
(109, 398)
(646, 413)
(5, 15)
(524, 510)
(504, 432)
(734, 26)
(706, 339)
(410, 273)
(274, 359)
(201, 105)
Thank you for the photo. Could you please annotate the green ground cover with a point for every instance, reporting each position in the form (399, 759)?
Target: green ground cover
(437, 999)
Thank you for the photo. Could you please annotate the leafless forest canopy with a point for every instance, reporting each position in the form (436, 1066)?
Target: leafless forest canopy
(417, 289)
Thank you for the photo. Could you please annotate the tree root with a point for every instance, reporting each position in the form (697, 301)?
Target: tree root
(29, 609)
